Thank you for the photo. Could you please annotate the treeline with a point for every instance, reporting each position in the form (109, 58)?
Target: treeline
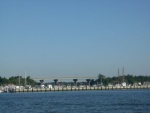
(129, 79)
(16, 80)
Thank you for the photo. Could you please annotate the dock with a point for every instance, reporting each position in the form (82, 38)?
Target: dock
(81, 89)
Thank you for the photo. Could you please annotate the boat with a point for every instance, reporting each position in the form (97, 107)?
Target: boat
(1, 91)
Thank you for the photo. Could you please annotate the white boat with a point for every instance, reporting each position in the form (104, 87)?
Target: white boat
(1, 91)
(124, 84)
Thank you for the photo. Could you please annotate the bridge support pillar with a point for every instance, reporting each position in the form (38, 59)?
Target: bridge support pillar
(56, 81)
(75, 81)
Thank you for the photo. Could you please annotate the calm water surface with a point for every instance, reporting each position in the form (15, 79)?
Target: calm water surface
(123, 101)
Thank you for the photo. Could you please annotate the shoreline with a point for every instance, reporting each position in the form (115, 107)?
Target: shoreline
(78, 89)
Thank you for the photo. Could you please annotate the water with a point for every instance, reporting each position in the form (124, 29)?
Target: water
(122, 101)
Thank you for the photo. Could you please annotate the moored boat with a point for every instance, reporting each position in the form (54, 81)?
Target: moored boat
(1, 91)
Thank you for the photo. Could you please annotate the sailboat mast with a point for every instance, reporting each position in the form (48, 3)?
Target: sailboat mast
(118, 75)
(123, 73)
(25, 82)
(19, 80)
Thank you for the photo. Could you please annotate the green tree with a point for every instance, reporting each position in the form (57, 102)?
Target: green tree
(100, 78)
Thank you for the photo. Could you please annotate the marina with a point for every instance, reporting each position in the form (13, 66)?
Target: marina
(70, 88)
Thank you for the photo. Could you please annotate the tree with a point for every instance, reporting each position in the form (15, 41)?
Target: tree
(100, 78)
(30, 81)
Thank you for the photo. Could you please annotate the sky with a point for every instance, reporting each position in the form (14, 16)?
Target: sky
(60, 38)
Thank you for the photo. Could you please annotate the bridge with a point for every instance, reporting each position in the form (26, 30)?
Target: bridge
(75, 79)
(63, 78)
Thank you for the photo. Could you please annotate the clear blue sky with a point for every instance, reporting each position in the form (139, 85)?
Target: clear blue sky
(74, 37)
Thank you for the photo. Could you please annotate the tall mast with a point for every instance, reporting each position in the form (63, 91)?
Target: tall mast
(19, 80)
(118, 75)
(123, 73)
(25, 82)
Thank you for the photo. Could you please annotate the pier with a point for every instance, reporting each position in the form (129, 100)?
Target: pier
(74, 88)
